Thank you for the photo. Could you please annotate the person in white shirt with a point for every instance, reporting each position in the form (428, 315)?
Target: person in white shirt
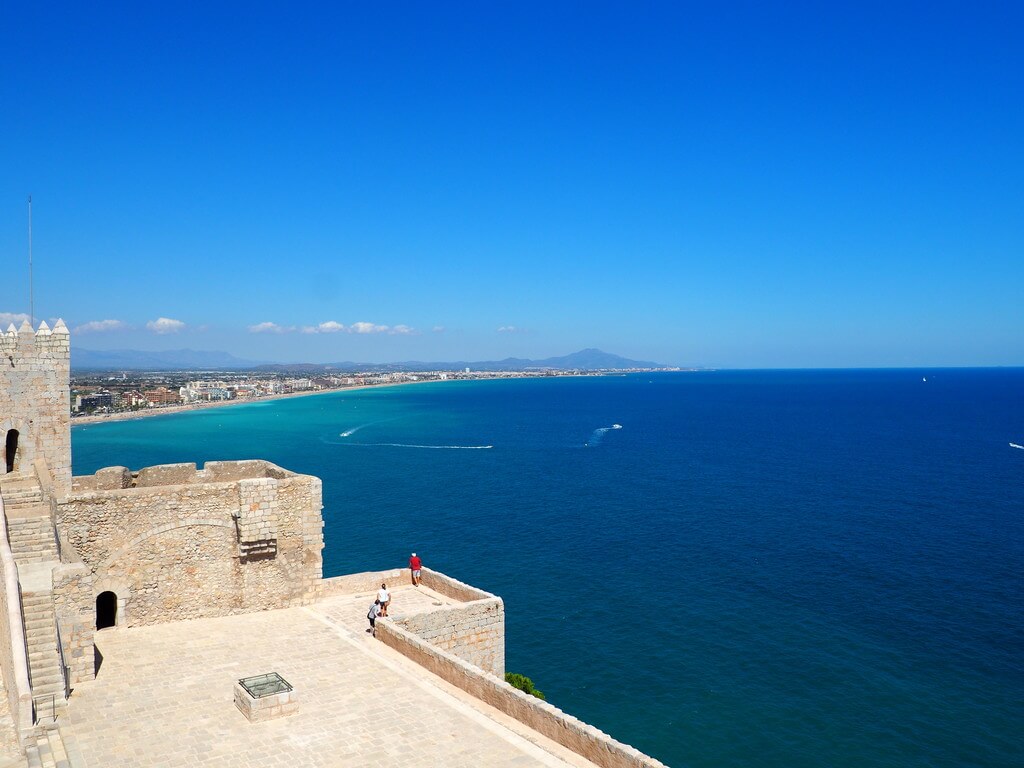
(384, 598)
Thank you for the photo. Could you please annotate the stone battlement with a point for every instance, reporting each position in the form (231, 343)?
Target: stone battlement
(35, 400)
(25, 346)
(121, 478)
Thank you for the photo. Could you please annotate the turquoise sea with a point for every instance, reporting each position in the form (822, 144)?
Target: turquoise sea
(797, 568)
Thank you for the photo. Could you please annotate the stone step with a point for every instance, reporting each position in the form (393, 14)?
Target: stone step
(37, 556)
(17, 494)
(53, 686)
(34, 760)
(57, 747)
(46, 754)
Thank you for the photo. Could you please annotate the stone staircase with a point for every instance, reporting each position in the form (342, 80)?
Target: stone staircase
(31, 535)
(34, 546)
(44, 664)
(50, 751)
(29, 526)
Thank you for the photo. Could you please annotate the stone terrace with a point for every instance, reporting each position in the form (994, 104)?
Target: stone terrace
(163, 697)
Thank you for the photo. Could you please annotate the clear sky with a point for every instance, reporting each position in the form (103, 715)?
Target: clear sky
(719, 184)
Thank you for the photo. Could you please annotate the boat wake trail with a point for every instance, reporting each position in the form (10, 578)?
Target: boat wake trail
(350, 432)
(595, 439)
(1014, 445)
(410, 445)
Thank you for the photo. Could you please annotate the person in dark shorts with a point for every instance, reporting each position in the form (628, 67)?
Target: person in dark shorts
(372, 615)
(414, 565)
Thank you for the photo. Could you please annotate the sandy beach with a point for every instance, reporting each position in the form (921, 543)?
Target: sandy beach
(172, 409)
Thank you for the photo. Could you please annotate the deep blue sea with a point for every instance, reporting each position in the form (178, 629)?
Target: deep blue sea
(787, 568)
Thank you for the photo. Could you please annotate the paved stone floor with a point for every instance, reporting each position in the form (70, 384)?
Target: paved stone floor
(163, 697)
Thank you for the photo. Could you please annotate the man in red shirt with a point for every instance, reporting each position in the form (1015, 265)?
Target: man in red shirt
(414, 565)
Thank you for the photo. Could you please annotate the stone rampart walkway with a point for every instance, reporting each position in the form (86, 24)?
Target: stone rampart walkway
(163, 697)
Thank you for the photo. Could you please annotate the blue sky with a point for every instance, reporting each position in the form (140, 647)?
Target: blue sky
(719, 184)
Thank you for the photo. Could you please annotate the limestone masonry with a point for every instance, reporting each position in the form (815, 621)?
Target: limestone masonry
(176, 544)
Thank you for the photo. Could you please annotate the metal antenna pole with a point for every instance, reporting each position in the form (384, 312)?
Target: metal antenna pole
(31, 294)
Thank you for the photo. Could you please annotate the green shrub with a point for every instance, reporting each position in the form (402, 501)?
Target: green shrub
(523, 683)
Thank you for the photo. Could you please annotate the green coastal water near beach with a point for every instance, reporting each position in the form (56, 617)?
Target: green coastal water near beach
(723, 569)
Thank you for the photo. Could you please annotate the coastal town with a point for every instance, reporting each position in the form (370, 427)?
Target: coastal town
(102, 394)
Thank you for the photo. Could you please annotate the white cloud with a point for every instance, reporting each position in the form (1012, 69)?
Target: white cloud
(267, 327)
(438, 329)
(330, 327)
(369, 328)
(12, 318)
(165, 325)
(102, 326)
(509, 329)
(333, 326)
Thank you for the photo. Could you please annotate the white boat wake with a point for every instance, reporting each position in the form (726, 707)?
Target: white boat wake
(411, 445)
(1014, 445)
(600, 432)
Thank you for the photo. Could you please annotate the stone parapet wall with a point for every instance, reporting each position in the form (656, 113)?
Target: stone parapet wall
(453, 588)
(367, 581)
(167, 474)
(114, 478)
(475, 632)
(174, 552)
(581, 738)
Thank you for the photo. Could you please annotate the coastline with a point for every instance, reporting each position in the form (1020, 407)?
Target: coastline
(174, 409)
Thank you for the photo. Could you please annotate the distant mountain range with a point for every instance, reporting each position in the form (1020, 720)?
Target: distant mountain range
(169, 360)
(192, 360)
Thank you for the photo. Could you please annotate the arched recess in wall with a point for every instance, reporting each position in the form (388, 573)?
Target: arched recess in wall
(15, 444)
(125, 550)
(11, 450)
(106, 610)
(111, 600)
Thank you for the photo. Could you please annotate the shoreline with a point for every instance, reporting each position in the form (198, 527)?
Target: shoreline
(176, 409)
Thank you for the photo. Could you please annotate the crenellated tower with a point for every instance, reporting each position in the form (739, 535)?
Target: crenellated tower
(35, 401)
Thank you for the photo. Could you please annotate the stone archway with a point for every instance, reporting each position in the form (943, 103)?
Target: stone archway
(16, 446)
(113, 608)
(106, 610)
(11, 450)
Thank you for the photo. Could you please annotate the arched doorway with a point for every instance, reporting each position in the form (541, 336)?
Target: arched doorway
(11, 449)
(106, 610)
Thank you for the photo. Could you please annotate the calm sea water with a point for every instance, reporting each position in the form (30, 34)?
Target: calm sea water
(759, 568)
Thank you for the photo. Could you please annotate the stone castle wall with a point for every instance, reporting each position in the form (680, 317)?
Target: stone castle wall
(202, 546)
(475, 632)
(583, 739)
(35, 398)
